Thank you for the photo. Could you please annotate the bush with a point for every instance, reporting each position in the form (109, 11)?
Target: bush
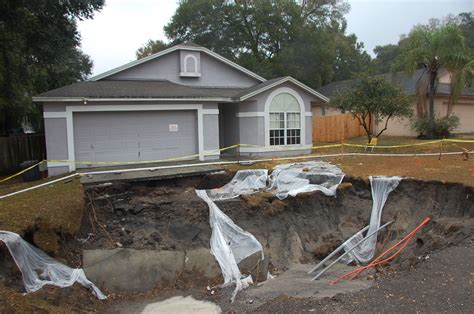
(443, 127)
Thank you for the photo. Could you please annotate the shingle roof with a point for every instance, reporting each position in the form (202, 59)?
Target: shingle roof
(406, 82)
(131, 89)
(259, 86)
(138, 89)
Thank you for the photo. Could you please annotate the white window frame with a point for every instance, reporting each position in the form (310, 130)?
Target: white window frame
(285, 127)
(268, 103)
(190, 72)
(186, 70)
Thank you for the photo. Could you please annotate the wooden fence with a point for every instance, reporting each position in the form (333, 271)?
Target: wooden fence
(17, 149)
(335, 128)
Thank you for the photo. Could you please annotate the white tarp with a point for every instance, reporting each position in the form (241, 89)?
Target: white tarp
(39, 269)
(381, 188)
(285, 179)
(244, 182)
(230, 244)
(292, 179)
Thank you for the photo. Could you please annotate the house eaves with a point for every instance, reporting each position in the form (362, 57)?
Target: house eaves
(92, 99)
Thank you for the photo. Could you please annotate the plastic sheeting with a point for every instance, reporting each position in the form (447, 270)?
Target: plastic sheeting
(39, 269)
(285, 179)
(244, 182)
(230, 244)
(292, 179)
(381, 188)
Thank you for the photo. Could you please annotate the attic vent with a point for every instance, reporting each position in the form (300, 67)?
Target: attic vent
(190, 63)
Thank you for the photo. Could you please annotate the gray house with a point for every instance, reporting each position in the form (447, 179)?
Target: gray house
(182, 101)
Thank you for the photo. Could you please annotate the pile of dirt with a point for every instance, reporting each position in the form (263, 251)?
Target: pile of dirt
(169, 215)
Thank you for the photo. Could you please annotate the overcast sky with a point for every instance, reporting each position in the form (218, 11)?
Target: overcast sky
(116, 32)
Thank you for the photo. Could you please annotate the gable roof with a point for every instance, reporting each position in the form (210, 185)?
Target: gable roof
(160, 90)
(184, 46)
(406, 82)
(260, 88)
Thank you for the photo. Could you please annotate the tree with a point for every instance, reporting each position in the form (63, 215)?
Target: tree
(373, 100)
(305, 39)
(466, 23)
(151, 47)
(434, 48)
(384, 57)
(39, 50)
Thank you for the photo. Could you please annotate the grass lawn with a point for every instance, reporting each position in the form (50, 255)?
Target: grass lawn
(425, 147)
(48, 210)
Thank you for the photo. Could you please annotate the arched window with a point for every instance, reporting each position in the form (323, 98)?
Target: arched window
(285, 120)
(190, 64)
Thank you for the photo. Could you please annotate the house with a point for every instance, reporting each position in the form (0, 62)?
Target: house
(463, 109)
(183, 101)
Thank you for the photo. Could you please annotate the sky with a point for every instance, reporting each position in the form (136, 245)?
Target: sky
(116, 32)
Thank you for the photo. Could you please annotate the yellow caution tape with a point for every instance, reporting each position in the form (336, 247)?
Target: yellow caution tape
(274, 148)
(458, 140)
(394, 146)
(21, 172)
(140, 161)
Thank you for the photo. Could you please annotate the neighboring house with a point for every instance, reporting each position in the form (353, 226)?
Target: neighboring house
(183, 101)
(463, 109)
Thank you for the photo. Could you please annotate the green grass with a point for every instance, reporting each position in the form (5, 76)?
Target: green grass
(48, 210)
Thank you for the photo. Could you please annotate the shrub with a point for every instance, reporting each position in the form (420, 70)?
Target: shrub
(443, 127)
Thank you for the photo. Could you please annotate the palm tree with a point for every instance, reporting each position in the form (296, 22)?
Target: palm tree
(435, 48)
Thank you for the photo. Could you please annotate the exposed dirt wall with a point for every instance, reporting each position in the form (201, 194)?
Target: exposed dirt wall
(169, 215)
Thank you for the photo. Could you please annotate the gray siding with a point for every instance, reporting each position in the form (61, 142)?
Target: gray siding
(252, 106)
(54, 107)
(214, 73)
(252, 130)
(309, 130)
(56, 144)
(211, 131)
(56, 138)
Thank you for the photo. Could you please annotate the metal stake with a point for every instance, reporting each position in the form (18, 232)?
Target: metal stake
(335, 251)
(347, 252)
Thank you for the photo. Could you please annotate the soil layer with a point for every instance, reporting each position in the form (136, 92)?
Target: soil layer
(169, 215)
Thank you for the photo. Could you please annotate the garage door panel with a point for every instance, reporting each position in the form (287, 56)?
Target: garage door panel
(134, 136)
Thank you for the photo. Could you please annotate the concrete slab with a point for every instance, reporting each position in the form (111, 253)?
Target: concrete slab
(139, 270)
(131, 270)
(202, 261)
(144, 175)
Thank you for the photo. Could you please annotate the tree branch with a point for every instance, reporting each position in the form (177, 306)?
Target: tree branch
(386, 124)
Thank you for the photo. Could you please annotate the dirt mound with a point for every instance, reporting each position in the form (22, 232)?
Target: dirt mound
(169, 215)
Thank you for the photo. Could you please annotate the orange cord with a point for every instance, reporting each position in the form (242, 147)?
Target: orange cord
(400, 244)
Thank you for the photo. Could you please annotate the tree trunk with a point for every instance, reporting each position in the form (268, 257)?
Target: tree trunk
(363, 123)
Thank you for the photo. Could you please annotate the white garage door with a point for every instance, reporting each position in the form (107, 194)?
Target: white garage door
(134, 135)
